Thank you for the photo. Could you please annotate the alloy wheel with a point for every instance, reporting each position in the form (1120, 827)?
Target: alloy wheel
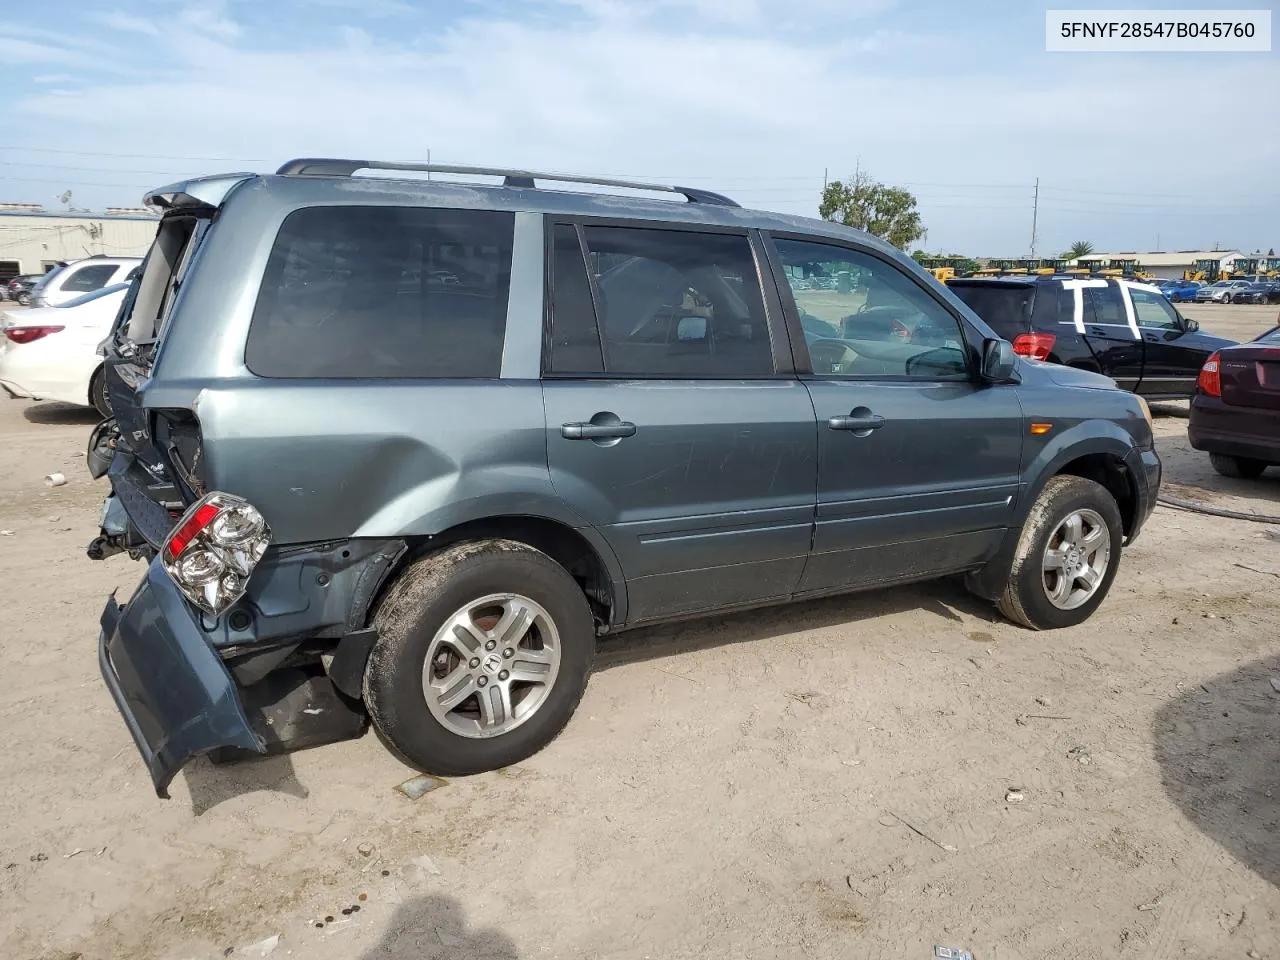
(1076, 559)
(491, 666)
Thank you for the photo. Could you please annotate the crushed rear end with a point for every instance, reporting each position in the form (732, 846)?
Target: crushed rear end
(229, 644)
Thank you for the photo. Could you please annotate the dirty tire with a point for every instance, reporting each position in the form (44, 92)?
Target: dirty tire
(1024, 600)
(1239, 467)
(98, 393)
(414, 609)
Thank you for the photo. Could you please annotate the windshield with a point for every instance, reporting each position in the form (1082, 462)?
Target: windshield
(96, 294)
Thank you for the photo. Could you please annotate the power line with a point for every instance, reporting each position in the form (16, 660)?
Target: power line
(126, 156)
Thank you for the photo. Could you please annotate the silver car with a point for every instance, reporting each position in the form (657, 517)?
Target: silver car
(1223, 291)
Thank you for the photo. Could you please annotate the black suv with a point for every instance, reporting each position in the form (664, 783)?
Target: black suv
(1125, 330)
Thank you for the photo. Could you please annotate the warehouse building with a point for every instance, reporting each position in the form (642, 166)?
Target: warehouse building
(34, 240)
(1170, 265)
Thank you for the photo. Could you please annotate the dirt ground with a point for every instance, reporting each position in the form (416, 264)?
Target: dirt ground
(828, 780)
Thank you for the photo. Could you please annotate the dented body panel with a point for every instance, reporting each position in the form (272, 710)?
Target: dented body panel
(719, 493)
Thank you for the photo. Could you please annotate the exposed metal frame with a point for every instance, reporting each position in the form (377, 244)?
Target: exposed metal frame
(328, 167)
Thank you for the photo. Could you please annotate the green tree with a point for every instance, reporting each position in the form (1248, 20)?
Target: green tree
(867, 204)
(1081, 248)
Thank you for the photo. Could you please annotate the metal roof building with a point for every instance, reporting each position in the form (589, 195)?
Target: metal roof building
(32, 240)
(1162, 263)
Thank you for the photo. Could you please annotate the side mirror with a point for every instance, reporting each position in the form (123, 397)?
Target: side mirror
(998, 361)
(1191, 326)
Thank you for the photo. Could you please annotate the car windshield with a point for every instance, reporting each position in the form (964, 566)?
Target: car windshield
(95, 295)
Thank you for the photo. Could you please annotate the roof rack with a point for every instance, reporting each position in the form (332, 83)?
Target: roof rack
(322, 167)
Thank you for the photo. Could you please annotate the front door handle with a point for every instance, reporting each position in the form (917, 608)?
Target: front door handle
(597, 431)
(862, 425)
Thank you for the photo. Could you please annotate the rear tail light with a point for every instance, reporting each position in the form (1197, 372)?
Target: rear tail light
(1035, 346)
(27, 334)
(214, 548)
(1210, 379)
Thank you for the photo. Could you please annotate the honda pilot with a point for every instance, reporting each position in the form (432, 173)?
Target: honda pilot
(401, 450)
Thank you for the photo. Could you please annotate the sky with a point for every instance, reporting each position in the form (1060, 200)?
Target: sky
(758, 99)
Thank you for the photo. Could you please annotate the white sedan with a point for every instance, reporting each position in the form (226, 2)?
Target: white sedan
(51, 353)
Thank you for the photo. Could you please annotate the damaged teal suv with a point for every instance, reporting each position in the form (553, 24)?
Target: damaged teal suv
(399, 451)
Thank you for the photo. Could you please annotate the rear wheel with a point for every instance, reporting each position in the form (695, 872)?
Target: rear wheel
(483, 653)
(1239, 467)
(98, 393)
(1067, 555)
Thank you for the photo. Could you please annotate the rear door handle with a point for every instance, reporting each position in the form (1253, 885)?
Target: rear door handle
(597, 431)
(862, 425)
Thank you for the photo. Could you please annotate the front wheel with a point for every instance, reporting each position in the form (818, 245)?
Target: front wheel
(1242, 468)
(24, 299)
(483, 653)
(1067, 555)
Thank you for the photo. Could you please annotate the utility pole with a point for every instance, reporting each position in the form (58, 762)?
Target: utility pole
(428, 162)
(824, 179)
(1035, 214)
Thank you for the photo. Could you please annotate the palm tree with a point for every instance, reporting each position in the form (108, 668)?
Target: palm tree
(1081, 248)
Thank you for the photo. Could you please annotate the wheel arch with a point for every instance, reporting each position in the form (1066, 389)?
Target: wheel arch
(1095, 450)
(586, 557)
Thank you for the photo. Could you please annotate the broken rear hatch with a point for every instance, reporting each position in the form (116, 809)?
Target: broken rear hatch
(177, 697)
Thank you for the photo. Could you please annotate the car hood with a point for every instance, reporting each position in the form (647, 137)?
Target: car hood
(1065, 376)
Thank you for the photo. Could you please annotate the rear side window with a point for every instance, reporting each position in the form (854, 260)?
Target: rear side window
(575, 339)
(1106, 305)
(672, 303)
(86, 279)
(384, 292)
(1005, 308)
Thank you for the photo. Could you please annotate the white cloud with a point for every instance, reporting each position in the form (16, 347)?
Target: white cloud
(210, 21)
(367, 8)
(16, 50)
(118, 20)
(755, 113)
(52, 78)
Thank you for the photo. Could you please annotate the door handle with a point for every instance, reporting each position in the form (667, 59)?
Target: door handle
(863, 425)
(597, 431)
(1097, 331)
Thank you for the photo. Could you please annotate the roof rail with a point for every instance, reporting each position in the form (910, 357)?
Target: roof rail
(322, 167)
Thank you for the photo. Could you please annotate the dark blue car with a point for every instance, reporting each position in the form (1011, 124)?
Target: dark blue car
(1178, 290)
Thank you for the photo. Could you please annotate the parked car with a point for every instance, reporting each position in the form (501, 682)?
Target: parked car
(19, 288)
(50, 353)
(75, 279)
(1178, 290)
(1235, 414)
(1224, 291)
(1253, 293)
(1126, 331)
(366, 496)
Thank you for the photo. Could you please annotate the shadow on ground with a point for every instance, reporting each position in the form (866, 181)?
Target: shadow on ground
(430, 927)
(56, 412)
(1219, 755)
(213, 783)
(947, 599)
